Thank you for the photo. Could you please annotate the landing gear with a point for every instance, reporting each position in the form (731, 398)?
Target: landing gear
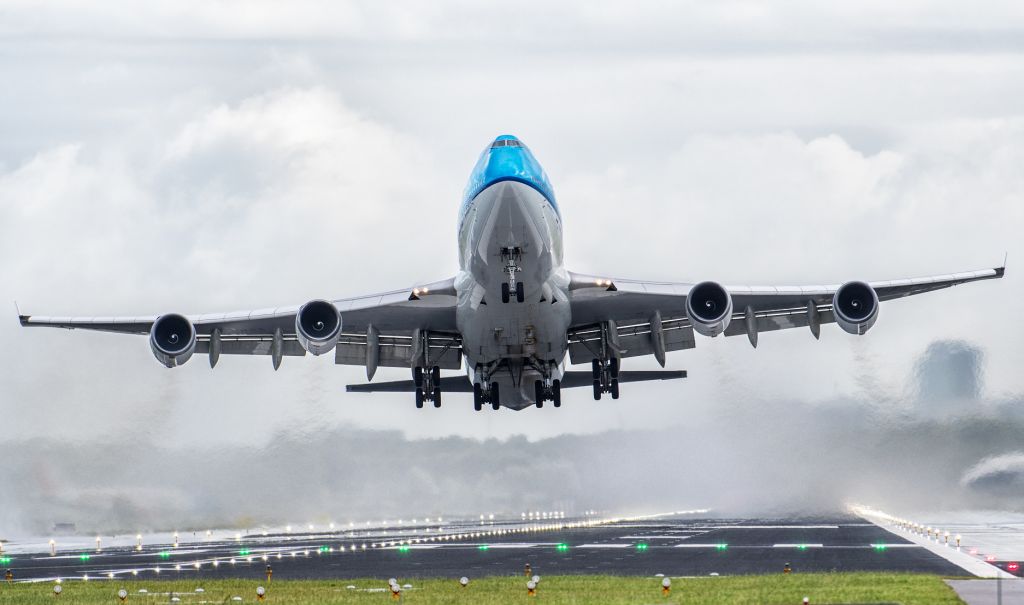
(606, 377)
(552, 392)
(512, 257)
(428, 385)
(483, 395)
(547, 388)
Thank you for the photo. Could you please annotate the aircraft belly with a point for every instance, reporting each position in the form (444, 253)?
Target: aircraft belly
(510, 214)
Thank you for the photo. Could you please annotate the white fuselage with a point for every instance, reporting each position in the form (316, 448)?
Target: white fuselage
(509, 343)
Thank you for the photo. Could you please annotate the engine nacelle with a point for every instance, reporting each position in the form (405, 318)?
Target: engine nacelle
(173, 339)
(318, 326)
(709, 308)
(855, 306)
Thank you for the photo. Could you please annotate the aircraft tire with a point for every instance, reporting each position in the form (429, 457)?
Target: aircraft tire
(495, 401)
(615, 388)
(437, 397)
(520, 294)
(419, 397)
(478, 396)
(556, 393)
(597, 390)
(417, 376)
(505, 294)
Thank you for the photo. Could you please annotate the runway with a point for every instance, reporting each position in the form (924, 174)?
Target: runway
(671, 544)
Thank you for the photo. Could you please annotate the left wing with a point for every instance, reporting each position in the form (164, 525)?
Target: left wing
(386, 322)
(649, 318)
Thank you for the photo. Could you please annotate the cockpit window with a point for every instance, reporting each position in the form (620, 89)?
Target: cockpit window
(506, 143)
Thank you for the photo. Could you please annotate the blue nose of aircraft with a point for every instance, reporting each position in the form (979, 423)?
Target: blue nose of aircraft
(508, 159)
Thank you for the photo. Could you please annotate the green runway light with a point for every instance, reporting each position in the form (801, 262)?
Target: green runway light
(880, 547)
(721, 546)
(563, 547)
(483, 547)
(641, 547)
(83, 557)
(322, 549)
(242, 553)
(164, 554)
(802, 547)
(403, 548)
(5, 560)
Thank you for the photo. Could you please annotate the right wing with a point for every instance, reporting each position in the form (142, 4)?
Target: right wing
(649, 318)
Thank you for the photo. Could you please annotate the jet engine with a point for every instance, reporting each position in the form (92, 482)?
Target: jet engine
(709, 308)
(855, 306)
(173, 339)
(317, 326)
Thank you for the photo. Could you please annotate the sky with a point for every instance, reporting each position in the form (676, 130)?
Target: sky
(212, 156)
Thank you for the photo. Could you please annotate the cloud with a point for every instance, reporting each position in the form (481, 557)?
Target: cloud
(193, 158)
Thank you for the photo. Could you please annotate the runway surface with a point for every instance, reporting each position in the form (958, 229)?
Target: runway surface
(675, 545)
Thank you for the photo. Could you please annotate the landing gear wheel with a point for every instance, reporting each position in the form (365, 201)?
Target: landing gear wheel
(495, 401)
(596, 369)
(615, 388)
(597, 390)
(520, 295)
(419, 397)
(538, 392)
(417, 376)
(613, 367)
(478, 396)
(437, 397)
(556, 393)
(504, 293)
(435, 375)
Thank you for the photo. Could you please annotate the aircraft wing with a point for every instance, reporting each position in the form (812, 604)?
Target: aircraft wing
(392, 317)
(633, 306)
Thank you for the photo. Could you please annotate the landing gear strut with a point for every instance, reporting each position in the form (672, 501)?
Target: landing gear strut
(512, 257)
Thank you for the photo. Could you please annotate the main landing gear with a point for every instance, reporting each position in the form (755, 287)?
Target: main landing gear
(606, 377)
(548, 390)
(483, 396)
(512, 257)
(428, 385)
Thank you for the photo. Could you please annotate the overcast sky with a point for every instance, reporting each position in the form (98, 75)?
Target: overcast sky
(206, 156)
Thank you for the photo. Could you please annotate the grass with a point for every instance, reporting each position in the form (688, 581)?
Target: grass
(861, 588)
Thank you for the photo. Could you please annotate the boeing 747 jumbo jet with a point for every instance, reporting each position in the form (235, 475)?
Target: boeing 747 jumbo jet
(513, 311)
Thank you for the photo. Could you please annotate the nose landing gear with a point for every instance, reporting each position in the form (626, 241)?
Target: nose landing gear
(512, 257)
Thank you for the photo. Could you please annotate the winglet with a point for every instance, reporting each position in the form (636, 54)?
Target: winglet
(22, 319)
(1000, 271)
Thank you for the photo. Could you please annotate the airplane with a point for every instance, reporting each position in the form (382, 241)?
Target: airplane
(513, 312)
